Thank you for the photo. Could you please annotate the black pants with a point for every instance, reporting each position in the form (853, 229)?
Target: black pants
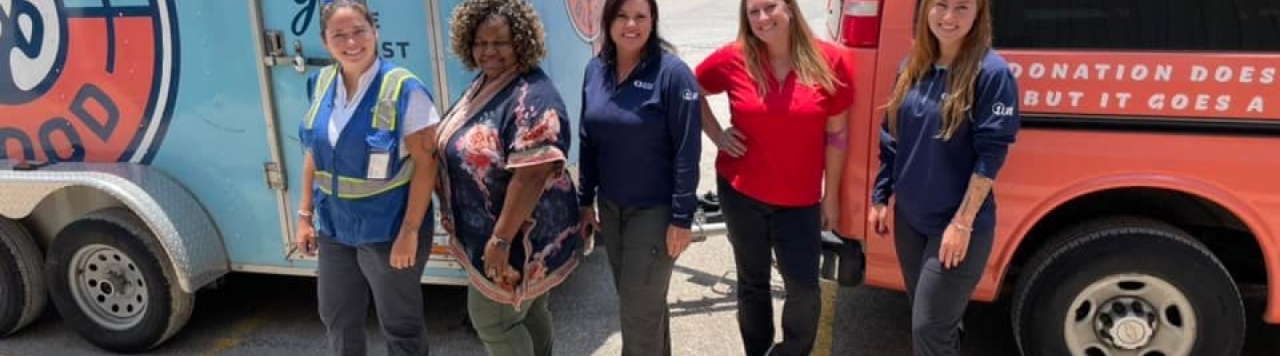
(938, 295)
(759, 231)
(349, 275)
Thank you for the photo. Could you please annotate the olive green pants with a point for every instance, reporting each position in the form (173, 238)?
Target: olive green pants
(507, 332)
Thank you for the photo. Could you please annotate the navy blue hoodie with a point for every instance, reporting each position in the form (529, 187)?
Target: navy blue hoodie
(641, 138)
(928, 177)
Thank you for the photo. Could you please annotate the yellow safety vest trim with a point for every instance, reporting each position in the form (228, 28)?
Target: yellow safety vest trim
(356, 188)
(385, 113)
(327, 74)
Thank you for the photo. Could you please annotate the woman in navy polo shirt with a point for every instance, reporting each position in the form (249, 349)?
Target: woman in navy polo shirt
(779, 164)
(951, 119)
(640, 150)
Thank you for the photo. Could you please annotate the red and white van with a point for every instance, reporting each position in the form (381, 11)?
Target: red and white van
(1142, 198)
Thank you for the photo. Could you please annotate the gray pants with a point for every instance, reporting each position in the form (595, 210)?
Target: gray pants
(508, 332)
(348, 274)
(938, 295)
(636, 241)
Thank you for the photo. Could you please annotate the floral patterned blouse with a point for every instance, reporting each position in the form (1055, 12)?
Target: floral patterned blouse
(516, 121)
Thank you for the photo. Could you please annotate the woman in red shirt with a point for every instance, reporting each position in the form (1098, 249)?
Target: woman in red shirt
(789, 93)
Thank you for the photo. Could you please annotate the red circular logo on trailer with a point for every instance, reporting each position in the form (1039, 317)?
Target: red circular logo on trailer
(585, 15)
(86, 83)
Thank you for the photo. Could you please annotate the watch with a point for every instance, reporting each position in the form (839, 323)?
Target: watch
(502, 243)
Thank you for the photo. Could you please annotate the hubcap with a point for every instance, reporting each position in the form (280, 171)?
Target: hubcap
(108, 286)
(1130, 314)
(1127, 323)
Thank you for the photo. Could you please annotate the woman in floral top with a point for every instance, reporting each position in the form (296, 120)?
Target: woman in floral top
(508, 202)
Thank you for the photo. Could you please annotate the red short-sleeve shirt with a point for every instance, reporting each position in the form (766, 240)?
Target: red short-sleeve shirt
(784, 131)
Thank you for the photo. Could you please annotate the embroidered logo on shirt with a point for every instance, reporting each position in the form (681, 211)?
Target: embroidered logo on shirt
(690, 95)
(643, 85)
(1000, 109)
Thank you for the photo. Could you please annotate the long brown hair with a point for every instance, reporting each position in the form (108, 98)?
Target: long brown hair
(963, 69)
(811, 68)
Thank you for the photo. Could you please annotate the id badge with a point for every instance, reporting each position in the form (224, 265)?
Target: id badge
(378, 162)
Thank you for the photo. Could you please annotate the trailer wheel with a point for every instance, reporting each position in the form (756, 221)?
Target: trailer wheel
(108, 279)
(22, 294)
(1127, 286)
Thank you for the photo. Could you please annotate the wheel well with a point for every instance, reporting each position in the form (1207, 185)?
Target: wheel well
(62, 207)
(1222, 232)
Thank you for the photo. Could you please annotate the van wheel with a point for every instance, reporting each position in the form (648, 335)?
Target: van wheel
(1127, 286)
(22, 294)
(109, 280)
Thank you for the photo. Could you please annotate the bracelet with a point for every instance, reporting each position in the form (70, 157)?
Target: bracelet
(304, 213)
(962, 227)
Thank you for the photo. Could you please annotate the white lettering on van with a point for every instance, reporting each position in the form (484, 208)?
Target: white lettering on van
(1246, 74)
(1268, 75)
(1102, 69)
(1031, 98)
(1016, 69)
(1256, 104)
(1075, 98)
(1164, 73)
(1223, 74)
(1224, 103)
(1053, 98)
(1199, 74)
(1060, 72)
(1121, 100)
(1037, 71)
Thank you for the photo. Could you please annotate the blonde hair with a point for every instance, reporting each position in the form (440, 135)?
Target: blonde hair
(963, 69)
(810, 66)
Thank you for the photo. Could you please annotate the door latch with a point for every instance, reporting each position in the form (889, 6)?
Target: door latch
(274, 176)
(277, 55)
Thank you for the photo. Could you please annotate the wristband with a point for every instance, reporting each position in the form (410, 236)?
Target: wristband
(304, 213)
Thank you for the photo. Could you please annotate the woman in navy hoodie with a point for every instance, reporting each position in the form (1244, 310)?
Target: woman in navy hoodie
(951, 119)
(640, 150)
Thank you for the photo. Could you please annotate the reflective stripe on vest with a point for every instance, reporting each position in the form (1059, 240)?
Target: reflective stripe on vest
(385, 112)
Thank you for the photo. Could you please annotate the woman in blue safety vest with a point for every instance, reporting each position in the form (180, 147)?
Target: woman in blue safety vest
(369, 161)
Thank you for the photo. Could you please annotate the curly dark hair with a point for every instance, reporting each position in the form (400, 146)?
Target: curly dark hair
(527, 35)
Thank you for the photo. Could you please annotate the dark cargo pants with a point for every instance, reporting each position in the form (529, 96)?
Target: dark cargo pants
(636, 242)
(349, 275)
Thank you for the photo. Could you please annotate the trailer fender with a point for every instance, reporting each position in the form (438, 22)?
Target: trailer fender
(191, 241)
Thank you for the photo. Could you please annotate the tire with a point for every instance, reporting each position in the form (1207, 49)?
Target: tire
(1079, 295)
(22, 294)
(93, 272)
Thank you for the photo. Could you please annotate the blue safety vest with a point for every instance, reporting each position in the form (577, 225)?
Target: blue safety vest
(357, 202)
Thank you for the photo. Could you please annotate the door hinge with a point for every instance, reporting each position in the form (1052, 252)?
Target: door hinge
(275, 177)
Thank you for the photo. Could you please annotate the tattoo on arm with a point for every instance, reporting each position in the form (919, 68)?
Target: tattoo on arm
(974, 197)
(838, 140)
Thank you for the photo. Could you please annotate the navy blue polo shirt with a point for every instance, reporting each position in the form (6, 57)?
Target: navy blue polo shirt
(641, 138)
(929, 177)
